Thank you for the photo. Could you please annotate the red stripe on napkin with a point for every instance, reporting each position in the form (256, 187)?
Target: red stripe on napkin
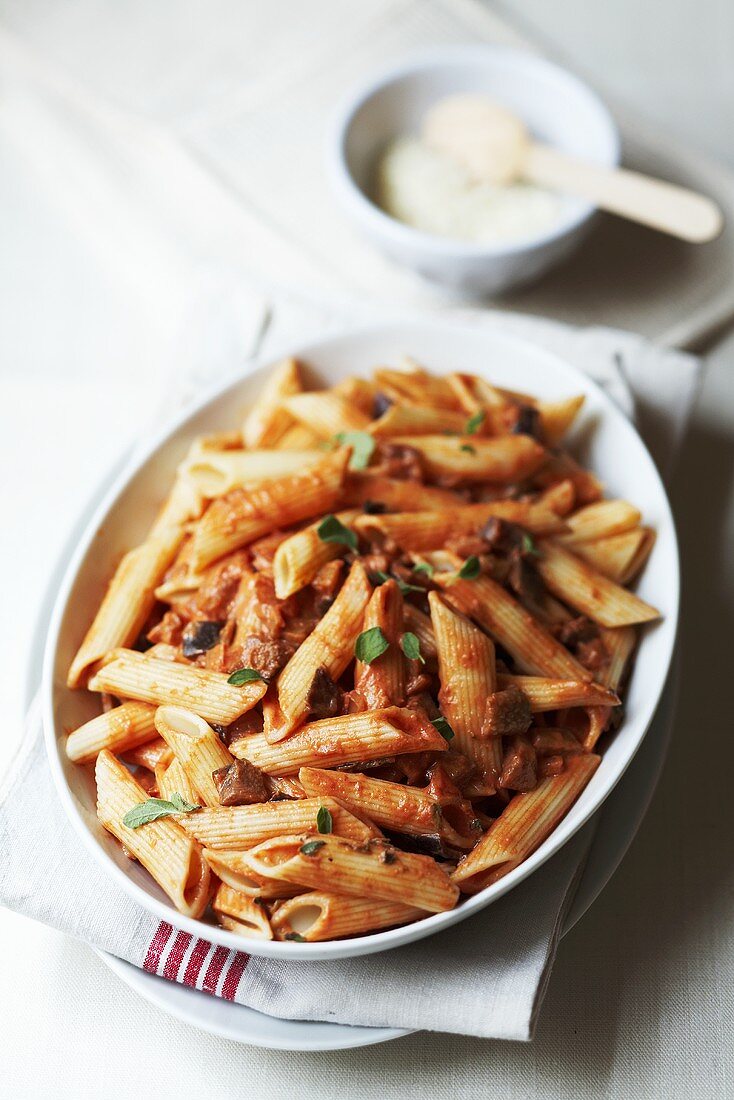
(157, 944)
(196, 958)
(176, 954)
(214, 969)
(233, 975)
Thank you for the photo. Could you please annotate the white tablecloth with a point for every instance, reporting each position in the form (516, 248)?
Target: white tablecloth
(640, 1003)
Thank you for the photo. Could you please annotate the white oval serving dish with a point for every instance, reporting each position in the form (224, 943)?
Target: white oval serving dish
(604, 439)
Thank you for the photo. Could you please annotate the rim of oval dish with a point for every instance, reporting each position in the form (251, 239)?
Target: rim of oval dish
(360, 203)
(396, 937)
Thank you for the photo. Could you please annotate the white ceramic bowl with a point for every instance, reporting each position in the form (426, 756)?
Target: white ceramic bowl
(604, 439)
(557, 108)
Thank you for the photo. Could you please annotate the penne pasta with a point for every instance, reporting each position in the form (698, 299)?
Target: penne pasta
(417, 531)
(373, 870)
(393, 806)
(556, 417)
(152, 755)
(502, 460)
(416, 386)
(363, 487)
(299, 558)
(122, 728)
(319, 916)
(154, 680)
(382, 682)
(197, 748)
(330, 647)
(358, 392)
(420, 624)
(600, 520)
(523, 825)
(533, 649)
(418, 420)
(242, 515)
(576, 583)
(128, 601)
(466, 670)
(267, 421)
(349, 739)
(241, 913)
(619, 643)
(173, 858)
(214, 473)
(174, 780)
(230, 867)
(545, 694)
(241, 827)
(326, 413)
(616, 556)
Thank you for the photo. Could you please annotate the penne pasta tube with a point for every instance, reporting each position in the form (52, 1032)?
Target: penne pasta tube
(267, 420)
(502, 459)
(615, 556)
(466, 670)
(330, 646)
(128, 601)
(154, 680)
(232, 870)
(349, 739)
(393, 806)
(600, 520)
(173, 858)
(545, 694)
(196, 746)
(298, 438)
(561, 467)
(533, 649)
(619, 643)
(382, 683)
(358, 392)
(174, 780)
(241, 827)
(420, 624)
(372, 870)
(576, 583)
(320, 916)
(299, 558)
(241, 913)
(215, 473)
(417, 531)
(560, 498)
(122, 728)
(326, 413)
(416, 386)
(556, 417)
(363, 487)
(523, 825)
(418, 420)
(182, 505)
(639, 558)
(242, 515)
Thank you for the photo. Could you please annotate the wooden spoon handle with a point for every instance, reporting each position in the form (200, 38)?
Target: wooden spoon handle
(674, 210)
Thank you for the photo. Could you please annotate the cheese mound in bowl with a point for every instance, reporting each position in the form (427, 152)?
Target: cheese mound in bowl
(433, 193)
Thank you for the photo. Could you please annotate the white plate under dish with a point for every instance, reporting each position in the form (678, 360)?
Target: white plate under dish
(606, 441)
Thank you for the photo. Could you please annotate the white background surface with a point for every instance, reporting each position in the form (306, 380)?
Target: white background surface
(640, 1002)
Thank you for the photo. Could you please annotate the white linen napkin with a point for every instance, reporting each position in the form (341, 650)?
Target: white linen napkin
(485, 977)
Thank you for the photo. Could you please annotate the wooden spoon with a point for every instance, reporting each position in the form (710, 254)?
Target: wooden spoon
(494, 146)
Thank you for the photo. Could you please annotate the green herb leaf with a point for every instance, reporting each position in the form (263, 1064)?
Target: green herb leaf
(370, 645)
(332, 529)
(475, 422)
(243, 676)
(468, 448)
(471, 569)
(411, 647)
(362, 444)
(404, 588)
(528, 545)
(443, 728)
(153, 808)
(324, 822)
(311, 847)
(296, 937)
(424, 567)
